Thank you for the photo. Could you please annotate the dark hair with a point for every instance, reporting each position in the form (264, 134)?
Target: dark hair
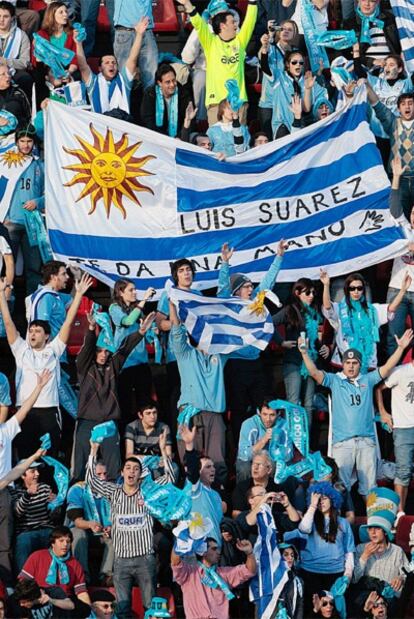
(319, 520)
(196, 136)
(177, 265)
(8, 6)
(162, 70)
(288, 21)
(27, 588)
(48, 22)
(258, 134)
(403, 96)
(335, 471)
(289, 55)
(208, 542)
(295, 309)
(100, 58)
(51, 268)
(119, 287)
(266, 402)
(219, 19)
(59, 532)
(40, 323)
(399, 61)
(147, 404)
(351, 278)
(134, 459)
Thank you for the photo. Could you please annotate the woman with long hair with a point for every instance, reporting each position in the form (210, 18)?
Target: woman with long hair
(227, 135)
(301, 314)
(329, 549)
(355, 320)
(135, 381)
(275, 44)
(324, 605)
(57, 28)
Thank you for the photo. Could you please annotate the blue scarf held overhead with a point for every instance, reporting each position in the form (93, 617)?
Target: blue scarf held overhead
(166, 503)
(185, 416)
(338, 591)
(172, 111)
(102, 431)
(37, 235)
(213, 580)
(106, 336)
(45, 441)
(81, 31)
(57, 568)
(337, 39)
(233, 95)
(317, 54)
(61, 477)
(54, 57)
(360, 329)
(366, 20)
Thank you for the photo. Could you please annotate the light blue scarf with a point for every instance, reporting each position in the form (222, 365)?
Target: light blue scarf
(61, 477)
(337, 39)
(214, 581)
(58, 567)
(366, 20)
(312, 320)
(106, 336)
(172, 111)
(54, 57)
(360, 329)
(316, 53)
(37, 235)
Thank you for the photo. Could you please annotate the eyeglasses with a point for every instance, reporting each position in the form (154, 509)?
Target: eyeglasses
(106, 605)
(327, 603)
(354, 288)
(300, 62)
(377, 604)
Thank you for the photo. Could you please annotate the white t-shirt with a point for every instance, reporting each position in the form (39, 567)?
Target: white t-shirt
(405, 263)
(4, 249)
(401, 383)
(8, 431)
(341, 344)
(30, 363)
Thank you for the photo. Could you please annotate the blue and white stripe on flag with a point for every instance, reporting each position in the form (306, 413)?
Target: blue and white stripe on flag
(222, 326)
(123, 201)
(404, 19)
(271, 575)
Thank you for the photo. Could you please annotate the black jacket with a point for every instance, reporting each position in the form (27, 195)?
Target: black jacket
(148, 110)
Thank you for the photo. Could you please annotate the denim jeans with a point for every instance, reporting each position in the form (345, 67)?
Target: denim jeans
(299, 390)
(407, 194)
(404, 455)
(397, 325)
(357, 455)
(89, 10)
(31, 255)
(27, 542)
(139, 571)
(148, 55)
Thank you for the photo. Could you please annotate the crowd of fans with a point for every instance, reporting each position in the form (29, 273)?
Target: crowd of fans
(341, 345)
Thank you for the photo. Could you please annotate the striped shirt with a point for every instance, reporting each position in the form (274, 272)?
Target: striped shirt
(31, 509)
(379, 46)
(131, 521)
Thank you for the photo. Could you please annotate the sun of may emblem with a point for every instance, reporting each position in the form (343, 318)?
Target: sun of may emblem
(108, 170)
(12, 158)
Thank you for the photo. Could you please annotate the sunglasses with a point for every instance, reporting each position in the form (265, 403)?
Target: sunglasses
(378, 604)
(308, 293)
(353, 288)
(327, 603)
(106, 605)
(295, 62)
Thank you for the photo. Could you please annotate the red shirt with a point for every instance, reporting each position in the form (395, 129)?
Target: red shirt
(69, 44)
(37, 567)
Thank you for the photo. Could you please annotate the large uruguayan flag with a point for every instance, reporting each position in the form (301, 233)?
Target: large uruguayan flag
(404, 17)
(271, 575)
(125, 201)
(222, 326)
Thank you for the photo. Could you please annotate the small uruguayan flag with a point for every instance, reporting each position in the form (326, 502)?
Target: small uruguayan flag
(404, 18)
(271, 575)
(222, 326)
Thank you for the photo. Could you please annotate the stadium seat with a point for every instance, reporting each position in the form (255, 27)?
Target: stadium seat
(37, 5)
(402, 535)
(242, 6)
(103, 24)
(165, 16)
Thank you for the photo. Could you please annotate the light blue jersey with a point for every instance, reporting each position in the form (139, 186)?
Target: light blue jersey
(282, 100)
(30, 186)
(352, 405)
(128, 12)
(5, 399)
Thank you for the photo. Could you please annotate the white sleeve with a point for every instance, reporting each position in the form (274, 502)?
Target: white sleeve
(58, 346)
(349, 564)
(332, 315)
(4, 246)
(191, 49)
(383, 314)
(393, 377)
(18, 349)
(11, 428)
